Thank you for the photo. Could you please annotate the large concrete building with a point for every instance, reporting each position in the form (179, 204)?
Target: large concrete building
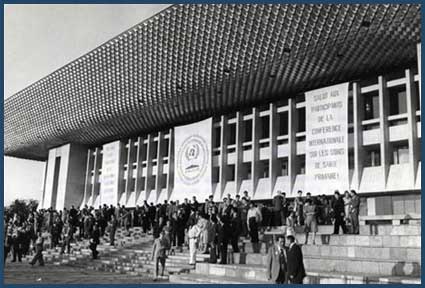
(106, 123)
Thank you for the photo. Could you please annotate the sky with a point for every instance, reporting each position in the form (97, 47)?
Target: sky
(40, 38)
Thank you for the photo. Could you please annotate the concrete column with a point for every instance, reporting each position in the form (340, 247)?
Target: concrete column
(43, 186)
(274, 131)
(149, 158)
(419, 73)
(256, 129)
(239, 151)
(89, 168)
(65, 182)
(139, 167)
(170, 173)
(383, 126)
(159, 164)
(97, 166)
(412, 135)
(358, 111)
(292, 143)
(122, 160)
(223, 154)
(130, 156)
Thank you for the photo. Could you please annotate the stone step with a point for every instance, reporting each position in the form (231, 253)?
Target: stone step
(369, 229)
(396, 230)
(210, 279)
(362, 265)
(245, 272)
(383, 253)
(352, 278)
(312, 278)
(257, 273)
(343, 252)
(348, 240)
(185, 256)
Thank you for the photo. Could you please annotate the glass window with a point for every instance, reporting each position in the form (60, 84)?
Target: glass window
(248, 131)
(230, 175)
(416, 96)
(166, 144)
(373, 157)
(154, 149)
(265, 127)
(301, 164)
(400, 154)
(301, 119)
(283, 123)
(246, 171)
(264, 169)
(217, 137)
(282, 168)
(231, 139)
(398, 104)
(142, 183)
(371, 106)
(216, 175)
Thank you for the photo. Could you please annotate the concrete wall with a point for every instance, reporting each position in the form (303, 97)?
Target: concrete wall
(147, 169)
(71, 177)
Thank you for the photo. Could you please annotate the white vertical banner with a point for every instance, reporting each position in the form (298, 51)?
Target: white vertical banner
(327, 140)
(192, 163)
(110, 174)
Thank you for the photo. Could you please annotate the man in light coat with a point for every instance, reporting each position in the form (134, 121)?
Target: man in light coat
(193, 235)
(159, 254)
(277, 265)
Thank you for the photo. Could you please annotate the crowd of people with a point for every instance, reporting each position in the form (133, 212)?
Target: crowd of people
(207, 227)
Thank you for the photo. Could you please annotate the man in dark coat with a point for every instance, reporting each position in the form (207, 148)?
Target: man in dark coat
(223, 237)
(38, 251)
(113, 224)
(94, 241)
(354, 211)
(296, 270)
(277, 209)
(277, 265)
(338, 209)
(236, 229)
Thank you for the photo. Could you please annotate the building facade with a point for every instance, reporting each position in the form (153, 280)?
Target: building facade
(262, 150)
(107, 133)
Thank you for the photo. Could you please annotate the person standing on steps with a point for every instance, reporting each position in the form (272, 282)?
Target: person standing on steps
(193, 235)
(338, 210)
(298, 208)
(159, 255)
(277, 209)
(236, 230)
(224, 236)
(354, 211)
(277, 265)
(38, 251)
(113, 224)
(310, 211)
(94, 241)
(347, 207)
(296, 270)
(254, 217)
(67, 238)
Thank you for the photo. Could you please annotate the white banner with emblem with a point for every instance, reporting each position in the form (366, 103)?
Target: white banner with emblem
(327, 140)
(193, 160)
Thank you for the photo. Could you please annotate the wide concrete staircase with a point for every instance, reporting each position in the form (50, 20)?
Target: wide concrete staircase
(380, 254)
(131, 255)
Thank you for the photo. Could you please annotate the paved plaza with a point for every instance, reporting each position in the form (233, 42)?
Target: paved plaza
(23, 273)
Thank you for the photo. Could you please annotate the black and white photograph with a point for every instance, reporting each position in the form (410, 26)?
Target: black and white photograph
(212, 144)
